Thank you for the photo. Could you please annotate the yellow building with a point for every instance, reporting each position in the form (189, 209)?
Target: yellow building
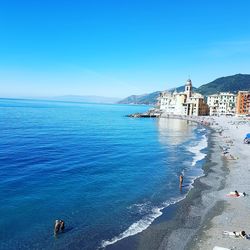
(243, 103)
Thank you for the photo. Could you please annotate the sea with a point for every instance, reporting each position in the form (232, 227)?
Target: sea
(106, 175)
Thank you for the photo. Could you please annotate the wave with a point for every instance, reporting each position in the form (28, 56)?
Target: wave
(196, 150)
(140, 208)
(140, 225)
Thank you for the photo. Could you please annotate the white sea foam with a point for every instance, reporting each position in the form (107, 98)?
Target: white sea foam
(196, 150)
(136, 227)
(140, 225)
(141, 208)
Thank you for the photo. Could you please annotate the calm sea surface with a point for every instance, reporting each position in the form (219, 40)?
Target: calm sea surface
(106, 175)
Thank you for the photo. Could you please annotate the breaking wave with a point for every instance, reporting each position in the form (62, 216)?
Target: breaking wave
(141, 224)
(196, 150)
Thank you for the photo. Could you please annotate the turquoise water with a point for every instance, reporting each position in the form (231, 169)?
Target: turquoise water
(106, 175)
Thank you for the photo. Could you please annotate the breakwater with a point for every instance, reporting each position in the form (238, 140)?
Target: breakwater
(156, 113)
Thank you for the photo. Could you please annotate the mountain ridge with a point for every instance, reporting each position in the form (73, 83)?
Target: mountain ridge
(232, 83)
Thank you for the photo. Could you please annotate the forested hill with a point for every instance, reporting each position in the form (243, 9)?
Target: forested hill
(232, 83)
(226, 84)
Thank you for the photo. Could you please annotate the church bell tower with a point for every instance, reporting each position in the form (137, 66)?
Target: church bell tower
(188, 88)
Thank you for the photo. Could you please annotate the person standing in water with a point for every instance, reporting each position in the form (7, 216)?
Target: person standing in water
(59, 224)
(62, 225)
(57, 227)
(181, 180)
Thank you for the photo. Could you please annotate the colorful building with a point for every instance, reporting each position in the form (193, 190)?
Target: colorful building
(243, 103)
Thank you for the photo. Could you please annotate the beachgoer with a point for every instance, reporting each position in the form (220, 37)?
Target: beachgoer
(62, 225)
(236, 193)
(57, 227)
(181, 180)
(241, 234)
(230, 157)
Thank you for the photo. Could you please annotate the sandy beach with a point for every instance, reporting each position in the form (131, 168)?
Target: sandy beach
(198, 221)
(235, 213)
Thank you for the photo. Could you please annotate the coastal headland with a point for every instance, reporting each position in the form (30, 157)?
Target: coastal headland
(198, 221)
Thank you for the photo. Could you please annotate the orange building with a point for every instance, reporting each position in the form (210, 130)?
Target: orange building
(243, 103)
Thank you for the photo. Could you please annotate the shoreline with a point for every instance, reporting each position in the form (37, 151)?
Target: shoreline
(184, 224)
(171, 219)
(159, 211)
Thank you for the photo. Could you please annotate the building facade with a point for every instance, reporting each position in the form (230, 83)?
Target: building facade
(243, 103)
(213, 103)
(183, 103)
(223, 103)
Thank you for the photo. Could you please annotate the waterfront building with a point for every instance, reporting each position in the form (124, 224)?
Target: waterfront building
(213, 103)
(221, 104)
(243, 103)
(183, 103)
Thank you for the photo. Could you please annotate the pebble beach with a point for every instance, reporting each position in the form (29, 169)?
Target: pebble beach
(235, 213)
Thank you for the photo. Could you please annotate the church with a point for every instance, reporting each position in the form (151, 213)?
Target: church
(183, 103)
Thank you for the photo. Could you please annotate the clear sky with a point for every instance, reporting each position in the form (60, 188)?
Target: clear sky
(118, 48)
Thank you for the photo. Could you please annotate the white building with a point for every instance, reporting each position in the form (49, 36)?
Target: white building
(213, 103)
(183, 103)
(222, 104)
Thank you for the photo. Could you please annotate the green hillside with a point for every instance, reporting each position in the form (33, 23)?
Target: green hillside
(226, 84)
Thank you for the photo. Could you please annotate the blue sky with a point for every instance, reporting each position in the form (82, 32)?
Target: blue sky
(118, 48)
